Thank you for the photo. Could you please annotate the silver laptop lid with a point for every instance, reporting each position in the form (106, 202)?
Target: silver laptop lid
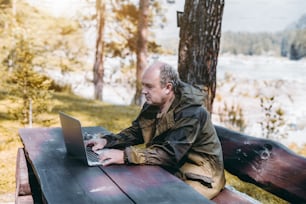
(73, 137)
(74, 140)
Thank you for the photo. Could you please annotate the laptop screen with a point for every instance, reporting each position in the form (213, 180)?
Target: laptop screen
(73, 137)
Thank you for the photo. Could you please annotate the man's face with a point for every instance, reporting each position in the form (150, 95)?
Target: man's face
(151, 88)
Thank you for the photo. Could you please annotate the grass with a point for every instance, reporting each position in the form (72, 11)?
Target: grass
(91, 113)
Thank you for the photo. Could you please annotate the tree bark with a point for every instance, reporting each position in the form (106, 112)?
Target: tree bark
(141, 50)
(199, 45)
(98, 68)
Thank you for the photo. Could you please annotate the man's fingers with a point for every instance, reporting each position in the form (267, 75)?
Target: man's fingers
(94, 148)
(106, 162)
(97, 146)
(104, 159)
(90, 143)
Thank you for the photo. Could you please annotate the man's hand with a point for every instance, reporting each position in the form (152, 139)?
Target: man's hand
(96, 144)
(111, 156)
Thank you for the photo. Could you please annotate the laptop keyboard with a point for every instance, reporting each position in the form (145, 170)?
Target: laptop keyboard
(91, 155)
(87, 135)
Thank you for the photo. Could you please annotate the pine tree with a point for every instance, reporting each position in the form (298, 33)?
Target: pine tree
(29, 88)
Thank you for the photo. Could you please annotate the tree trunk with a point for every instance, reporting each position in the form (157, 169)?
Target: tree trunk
(98, 68)
(199, 45)
(141, 50)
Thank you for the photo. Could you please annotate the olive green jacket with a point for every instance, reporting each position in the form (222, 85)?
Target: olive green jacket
(183, 140)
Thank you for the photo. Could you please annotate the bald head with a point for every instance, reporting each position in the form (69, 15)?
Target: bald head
(153, 71)
(165, 72)
(158, 83)
(156, 65)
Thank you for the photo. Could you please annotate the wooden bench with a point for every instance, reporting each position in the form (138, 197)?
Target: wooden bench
(265, 163)
(23, 188)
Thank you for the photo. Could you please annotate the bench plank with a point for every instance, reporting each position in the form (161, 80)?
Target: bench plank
(228, 195)
(21, 176)
(265, 163)
(26, 199)
(23, 188)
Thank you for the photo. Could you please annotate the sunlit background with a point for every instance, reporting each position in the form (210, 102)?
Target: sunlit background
(243, 76)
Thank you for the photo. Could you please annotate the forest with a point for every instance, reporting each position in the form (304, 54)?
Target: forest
(33, 41)
(290, 43)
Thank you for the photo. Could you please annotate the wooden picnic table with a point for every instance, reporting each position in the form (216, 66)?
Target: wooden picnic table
(64, 179)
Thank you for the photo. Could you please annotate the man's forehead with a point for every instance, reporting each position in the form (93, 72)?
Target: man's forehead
(150, 79)
(151, 72)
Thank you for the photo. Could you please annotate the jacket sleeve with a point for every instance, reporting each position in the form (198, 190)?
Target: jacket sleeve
(127, 137)
(131, 135)
(171, 147)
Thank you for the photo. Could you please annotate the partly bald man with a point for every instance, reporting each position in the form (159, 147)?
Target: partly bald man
(176, 131)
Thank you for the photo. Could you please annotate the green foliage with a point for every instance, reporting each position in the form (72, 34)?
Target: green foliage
(250, 44)
(30, 89)
(291, 43)
(55, 42)
(232, 117)
(274, 119)
(4, 3)
(122, 40)
(90, 112)
(298, 45)
(32, 39)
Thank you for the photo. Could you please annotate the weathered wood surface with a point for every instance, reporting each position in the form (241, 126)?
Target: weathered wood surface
(228, 196)
(27, 199)
(64, 179)
(21, 176)
(265, 163)
(156, 185)
(23, 189)
(262, 162)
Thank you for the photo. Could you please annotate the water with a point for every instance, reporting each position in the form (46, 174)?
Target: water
(262, 68)
(252, 78)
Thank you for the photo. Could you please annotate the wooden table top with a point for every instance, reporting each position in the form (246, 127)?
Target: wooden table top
(64, 179)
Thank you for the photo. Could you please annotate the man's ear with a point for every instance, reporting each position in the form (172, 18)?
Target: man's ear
(169, 87)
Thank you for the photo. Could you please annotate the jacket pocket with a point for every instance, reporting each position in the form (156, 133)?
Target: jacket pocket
(202, 174)
(204, 180)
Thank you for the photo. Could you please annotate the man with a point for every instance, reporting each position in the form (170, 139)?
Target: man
(176, 131)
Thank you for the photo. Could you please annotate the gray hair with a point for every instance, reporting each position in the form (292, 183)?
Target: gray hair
(169, 75)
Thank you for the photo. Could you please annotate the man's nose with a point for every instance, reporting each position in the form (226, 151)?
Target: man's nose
(144, 91)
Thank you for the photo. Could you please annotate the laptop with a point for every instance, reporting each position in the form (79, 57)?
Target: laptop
(74, 136)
